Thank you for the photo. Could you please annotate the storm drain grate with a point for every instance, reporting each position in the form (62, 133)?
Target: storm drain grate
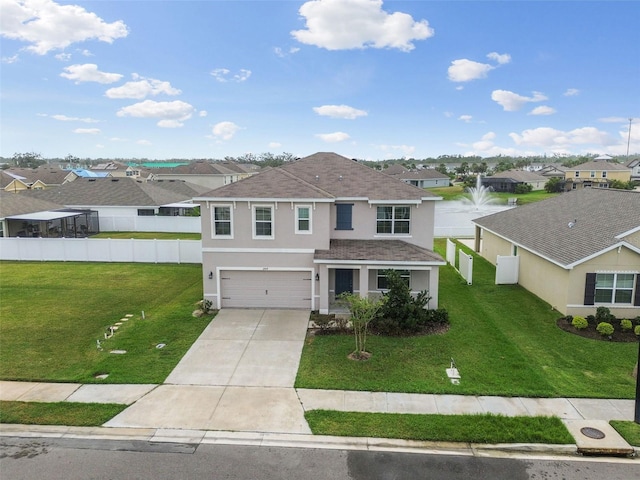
(592, 433)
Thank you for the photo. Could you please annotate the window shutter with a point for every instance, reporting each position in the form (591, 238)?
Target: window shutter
(636, 299)
(343, 216)
(590, 289)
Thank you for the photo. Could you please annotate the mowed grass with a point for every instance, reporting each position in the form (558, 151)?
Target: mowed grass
(630, 431)
(149, 235)
(53, 313)
(503, 339)
(484, 428)
(457, 192)
(59, 413)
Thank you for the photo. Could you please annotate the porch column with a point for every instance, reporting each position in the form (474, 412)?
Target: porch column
(364, 281)
(323, 289)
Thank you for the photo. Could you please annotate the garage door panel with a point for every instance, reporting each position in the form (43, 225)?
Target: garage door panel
(260, 289)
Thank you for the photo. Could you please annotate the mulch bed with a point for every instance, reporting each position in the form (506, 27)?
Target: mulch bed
(590, 332)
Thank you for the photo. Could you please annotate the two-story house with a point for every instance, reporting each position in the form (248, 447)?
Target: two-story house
(298, 235)
(597, 174)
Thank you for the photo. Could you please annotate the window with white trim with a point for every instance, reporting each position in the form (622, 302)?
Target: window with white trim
(614, 288)
(303, 219)
(604, 174)
(222, 221)
(263, 221)
(393, 219)
(382, 282)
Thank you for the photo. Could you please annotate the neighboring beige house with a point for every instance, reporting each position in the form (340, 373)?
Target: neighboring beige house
(577, 251)
(508, 180)
(208, 174)
(596, 174)
(15, 179)
(120, 170)
(298, 235)
(634, 166)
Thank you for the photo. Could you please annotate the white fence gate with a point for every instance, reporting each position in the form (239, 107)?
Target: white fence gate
(507, 270)
(100, 250)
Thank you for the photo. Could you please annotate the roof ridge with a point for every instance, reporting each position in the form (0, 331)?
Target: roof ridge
(311, 185)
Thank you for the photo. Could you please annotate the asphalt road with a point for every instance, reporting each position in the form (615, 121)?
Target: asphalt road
(52, 459)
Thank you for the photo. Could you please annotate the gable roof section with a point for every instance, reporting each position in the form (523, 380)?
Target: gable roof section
(87, 192)
(517, 176)
(380, 251)
(599, 215)
(598, 166)
(19, 204)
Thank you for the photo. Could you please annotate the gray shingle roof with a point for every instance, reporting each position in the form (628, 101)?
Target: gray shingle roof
(599, 214)
(18, 204)
(322, 175)
(517, 176)
(391, 251)
(113, 192)
(597, 166)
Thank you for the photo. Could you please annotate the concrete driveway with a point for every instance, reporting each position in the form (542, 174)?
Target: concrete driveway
(237, 376)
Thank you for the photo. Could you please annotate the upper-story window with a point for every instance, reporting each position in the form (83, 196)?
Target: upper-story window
(393, 219)
(343, 216)
(604, 174)
(303, 219)
(577, 173)
(592, 174)
(222, 221)
(263, 222)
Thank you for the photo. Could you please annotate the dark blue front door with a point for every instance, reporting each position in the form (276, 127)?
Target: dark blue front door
(344, 281)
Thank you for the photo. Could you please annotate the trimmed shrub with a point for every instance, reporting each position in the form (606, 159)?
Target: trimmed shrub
(636, 330)
(579, 323)
(626, 325)
(603, 314)
(605, 329)
(438, 315)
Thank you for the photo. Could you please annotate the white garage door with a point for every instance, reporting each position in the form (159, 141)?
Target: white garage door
(259, 289)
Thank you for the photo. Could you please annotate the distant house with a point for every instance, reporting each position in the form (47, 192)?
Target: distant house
(299, 235)
(208, 174)
(551, 171)
(597, 174)
(576, 251)
(507, 181)
(634, 166)
(120, 170)
(423, 178)
(15, 179)
(24, 216)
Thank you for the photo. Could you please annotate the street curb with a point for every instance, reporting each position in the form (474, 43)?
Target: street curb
(211, 437)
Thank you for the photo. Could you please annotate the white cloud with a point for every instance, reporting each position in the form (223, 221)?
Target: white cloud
(542, 110)
(118, 139)
(47, 26)
(87, 131)
(571, 92)
(340, 111)
(64, 118)
(512, 102)
(551, 137)
(334, 137)
(89, 73)
(225, 130)
(142, 88)
(223, 75)
(282, 53)
(465, 118)
(465, 70)
(10, 60)
(86, 53)
(501, 58)
(390, 150)
(614, 120)
(358, 24)
(202, 113)
(170, 114)
(63, 57)
(143, 142)
(487, 147)
(274, 145)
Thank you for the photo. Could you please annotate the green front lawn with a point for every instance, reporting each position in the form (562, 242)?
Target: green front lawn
(149, 235)
(630, 431)
(445, 428)
(60, 413)
(503, 339)
(53, 313)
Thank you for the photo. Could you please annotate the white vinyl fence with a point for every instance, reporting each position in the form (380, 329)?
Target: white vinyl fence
(152, 223)
(101, 250)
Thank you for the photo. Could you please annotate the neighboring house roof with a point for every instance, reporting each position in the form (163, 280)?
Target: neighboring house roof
(113, 192)
(46, 174)
(394, 169)
(633, 163)
(84, 173)
(424, 174)
(388, 251)
(598, 166)
(517, 176)
(570, 228)
(322, 175)
(202, 167)
(19, 204)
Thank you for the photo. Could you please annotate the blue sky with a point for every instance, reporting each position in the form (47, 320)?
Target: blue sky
(368, 79)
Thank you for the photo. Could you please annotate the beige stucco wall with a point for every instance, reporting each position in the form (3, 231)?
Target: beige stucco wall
(633, 239)
(492, 246)
(622, 175)
(544, 279)
(364, 217)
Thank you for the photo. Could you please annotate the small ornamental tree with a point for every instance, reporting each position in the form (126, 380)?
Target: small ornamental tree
(362, 311)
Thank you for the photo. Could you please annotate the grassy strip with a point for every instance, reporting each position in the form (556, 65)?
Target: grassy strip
(59, 413)
(630, 431)
(447, 428)
(53, 313)
(504, 340)
(458, 192)
(150, 235)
